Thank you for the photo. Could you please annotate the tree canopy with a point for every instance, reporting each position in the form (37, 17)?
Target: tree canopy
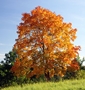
(44, 45)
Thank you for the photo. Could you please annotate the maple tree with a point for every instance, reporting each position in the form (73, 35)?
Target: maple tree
(44, 45)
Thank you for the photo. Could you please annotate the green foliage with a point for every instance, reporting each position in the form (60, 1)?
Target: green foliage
(10, 58)
(80, 61)
(81, 74)
(75, 75)
(22, 80)
(70, 75)
(42, 78)
(6, 76)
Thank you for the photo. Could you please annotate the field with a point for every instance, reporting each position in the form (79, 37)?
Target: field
(62, 85)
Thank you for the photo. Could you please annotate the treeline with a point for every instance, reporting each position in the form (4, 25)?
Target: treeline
(7, 78)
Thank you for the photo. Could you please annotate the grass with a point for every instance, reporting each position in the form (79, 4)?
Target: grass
(62, 85)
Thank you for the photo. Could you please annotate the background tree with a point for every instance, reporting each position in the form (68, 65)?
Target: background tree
(6, 76)
(44, 45)
(81, 62)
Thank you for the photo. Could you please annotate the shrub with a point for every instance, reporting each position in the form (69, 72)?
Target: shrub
(81, 74)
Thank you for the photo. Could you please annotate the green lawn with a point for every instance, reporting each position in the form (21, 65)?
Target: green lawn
(62, 85)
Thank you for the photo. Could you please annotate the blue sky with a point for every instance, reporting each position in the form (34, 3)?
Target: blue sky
(10, 16)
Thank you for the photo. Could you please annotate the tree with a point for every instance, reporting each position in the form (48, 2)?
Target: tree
(6, 76)
(44, 45)
(10, 58)
(81, 62)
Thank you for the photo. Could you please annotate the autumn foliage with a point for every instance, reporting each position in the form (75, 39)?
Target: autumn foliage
(44, 45)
